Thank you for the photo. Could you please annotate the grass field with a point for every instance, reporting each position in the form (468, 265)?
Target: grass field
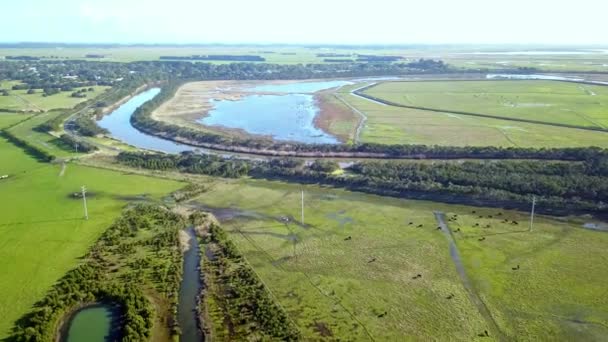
(9, 119)
(394, 125)
(356, 257)
(20, 100)
(42, 227)
(495, 57)
(546, 101)
(26, 131)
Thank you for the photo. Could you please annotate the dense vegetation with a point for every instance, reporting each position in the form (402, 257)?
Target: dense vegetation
(558, 186)
(238, 303)
(138, 252)
(188, 162)
(71, 143)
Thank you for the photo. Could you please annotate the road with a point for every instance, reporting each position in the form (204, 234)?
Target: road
(466, 282)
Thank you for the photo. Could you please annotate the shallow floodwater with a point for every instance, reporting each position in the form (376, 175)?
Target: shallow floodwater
(119, 125)
(288, 117)
(298, 87)
(189, 291)
(92, 324)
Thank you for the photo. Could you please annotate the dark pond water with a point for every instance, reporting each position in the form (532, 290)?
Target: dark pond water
(188, 292)
(284, 117)
(119, 126)
(91, 324)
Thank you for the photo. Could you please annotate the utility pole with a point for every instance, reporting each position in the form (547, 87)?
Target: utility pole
(302, 207)
(84, 200)
(532, 212)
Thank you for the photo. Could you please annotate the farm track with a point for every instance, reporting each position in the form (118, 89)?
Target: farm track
(466, 282)
(360, 92)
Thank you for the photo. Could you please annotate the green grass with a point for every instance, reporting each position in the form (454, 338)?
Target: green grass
(44, 141)
(9, 119)
(324, 280)
(42, 227)
(394, 125)
(546, 101)
(460, 56)
(20, 100)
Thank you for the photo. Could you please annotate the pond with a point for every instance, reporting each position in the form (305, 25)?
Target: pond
(288, 117)
(298, 87)
(119, 125)
(96, 323)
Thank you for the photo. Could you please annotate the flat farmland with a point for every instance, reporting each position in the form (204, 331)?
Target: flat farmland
(351, 271)
(545, 101)
(396, 125)
(43, 230)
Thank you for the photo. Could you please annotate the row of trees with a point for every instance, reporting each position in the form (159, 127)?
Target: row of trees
(94, 281)
(558, 185)
(187, 162)
(242, 299)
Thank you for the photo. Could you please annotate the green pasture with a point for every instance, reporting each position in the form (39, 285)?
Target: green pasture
(42, 226)
(349, 272)
(545, 101)
(20, 100)
(395, 125)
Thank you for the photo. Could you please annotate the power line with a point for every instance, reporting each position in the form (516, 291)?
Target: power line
(532, 212)
(84, 200)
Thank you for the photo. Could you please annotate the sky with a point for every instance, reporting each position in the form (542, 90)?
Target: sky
(306, 21)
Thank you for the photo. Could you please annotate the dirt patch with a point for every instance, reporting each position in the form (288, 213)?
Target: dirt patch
(184, 241)
(332, 112)
(322, 329)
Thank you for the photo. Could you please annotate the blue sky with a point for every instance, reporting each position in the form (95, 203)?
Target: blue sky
(305, 21)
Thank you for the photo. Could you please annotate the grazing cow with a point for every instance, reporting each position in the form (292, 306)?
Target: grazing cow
(473, 212)
(480, 216)
(476, 224)
(457, 230)
(515, 268)
(348, 238)
(481, 239)
(417, 276)
(438, 227)
(419, 226)
(382, 314)
(490, 216)
(488, 226)
(371, 260)
(450, 296)
(411, 223)
(515, 222)
(499, 214)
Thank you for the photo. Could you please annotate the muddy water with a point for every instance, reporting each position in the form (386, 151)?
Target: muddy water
(189, 291)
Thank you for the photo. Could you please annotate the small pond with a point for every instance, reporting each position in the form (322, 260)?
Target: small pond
(92, 324)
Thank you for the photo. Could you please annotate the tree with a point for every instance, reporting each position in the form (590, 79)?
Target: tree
(31, 91)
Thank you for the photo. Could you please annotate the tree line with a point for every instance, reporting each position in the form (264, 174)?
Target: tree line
(559, 186)
(239, 296)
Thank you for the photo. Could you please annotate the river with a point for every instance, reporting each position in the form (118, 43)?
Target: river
(189, 291)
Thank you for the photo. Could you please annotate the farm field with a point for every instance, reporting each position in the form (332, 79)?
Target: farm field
(487, 57)
(47, 142)
(44, 233)
(394, 125)
(545, 101)
(20, 100)
(8, 119)
(357, 258)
